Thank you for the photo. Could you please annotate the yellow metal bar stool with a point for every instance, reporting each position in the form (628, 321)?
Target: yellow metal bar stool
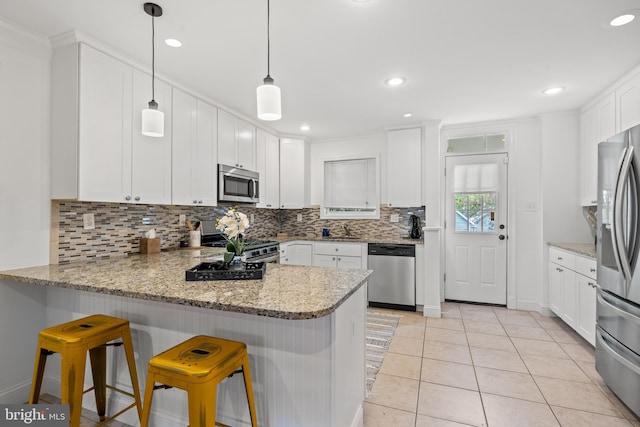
(197, 366)
(72, 340)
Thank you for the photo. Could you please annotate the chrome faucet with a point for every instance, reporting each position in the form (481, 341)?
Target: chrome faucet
(347, 232)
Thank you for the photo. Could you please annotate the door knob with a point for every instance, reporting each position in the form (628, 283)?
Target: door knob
(501, 237)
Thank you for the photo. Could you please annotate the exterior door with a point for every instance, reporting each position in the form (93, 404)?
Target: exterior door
(476, 228)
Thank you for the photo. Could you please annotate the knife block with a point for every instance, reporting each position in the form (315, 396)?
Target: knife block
(150, 246)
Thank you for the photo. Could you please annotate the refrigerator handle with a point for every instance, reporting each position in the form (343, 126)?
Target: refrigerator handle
(619, 246)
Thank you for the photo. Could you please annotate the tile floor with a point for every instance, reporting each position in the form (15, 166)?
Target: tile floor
(489, 366)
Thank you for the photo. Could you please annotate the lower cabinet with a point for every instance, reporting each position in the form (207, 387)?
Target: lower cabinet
(572, 291)
(337, 255)
(296, 253)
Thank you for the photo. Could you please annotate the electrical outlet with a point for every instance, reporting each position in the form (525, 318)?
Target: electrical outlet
(252, 219)
(88, 221)
(395, 218)
(299, 217)
(182, 219)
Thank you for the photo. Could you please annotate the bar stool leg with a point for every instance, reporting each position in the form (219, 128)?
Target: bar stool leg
(38, 373)
(246, 374)
(133, 373)
(148, 397)
(72, 376)
(98, 358)
(202, 405)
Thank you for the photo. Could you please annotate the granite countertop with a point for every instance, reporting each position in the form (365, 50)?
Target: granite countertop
(286, 292)
(339, 239)
(585, 249)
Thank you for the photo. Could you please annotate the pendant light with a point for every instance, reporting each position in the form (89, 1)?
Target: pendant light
(268, 94)
(152, 118)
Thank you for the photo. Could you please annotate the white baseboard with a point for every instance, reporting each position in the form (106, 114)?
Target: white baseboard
(432, 311)
(16, 394)
(358, 420)
(528, 306)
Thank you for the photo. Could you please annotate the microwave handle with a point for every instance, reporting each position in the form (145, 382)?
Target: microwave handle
(255, 189)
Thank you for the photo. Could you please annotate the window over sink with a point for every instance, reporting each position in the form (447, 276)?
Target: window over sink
(351, 188)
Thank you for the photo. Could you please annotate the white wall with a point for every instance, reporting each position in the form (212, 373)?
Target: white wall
(562, 218)
(359, 147)
(24, 196)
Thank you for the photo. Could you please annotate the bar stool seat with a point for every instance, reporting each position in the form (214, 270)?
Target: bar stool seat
(72, 340)
(197, 365)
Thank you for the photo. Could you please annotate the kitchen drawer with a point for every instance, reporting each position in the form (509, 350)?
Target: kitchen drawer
(586, 267)
(333, 248)
(563, 258)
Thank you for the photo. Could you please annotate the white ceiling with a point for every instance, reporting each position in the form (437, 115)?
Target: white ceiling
(465, 60)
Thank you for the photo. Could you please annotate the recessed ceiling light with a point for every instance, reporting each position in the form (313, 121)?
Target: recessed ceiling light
(173, 42)
(553, 90)
(395, 81)
(407, 115)
(305, 128)
(622, 20)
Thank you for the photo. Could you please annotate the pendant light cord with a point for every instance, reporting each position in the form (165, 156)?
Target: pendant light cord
(268, 39)
(153, 58)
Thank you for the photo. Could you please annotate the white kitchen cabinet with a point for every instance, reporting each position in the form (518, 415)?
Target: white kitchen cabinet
(337, 255)
(587, 291)
(236, 142)
(98, 152)
(562, 283)
(628, 104)
(597, 124)
(572, 291)
(296, 253)
(150, 157)
(294, 168)
(268, 166)
(194, 151)
(404, 167)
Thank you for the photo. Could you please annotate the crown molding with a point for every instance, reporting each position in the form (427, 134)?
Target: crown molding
(24, 39)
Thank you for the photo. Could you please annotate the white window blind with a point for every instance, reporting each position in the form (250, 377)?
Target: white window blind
(475, 178)
(350, 183)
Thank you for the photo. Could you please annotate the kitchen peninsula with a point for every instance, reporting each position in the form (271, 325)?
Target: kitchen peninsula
(304, 328)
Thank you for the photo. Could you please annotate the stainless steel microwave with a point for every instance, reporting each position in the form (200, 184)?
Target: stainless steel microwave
(238, 185)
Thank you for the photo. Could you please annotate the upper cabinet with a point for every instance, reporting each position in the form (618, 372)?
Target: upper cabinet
(194, 158)
(615, 112)
(268, 166)
(98, 152)
(236, 142)
(628, 103)
(404, 167)
(294, 183)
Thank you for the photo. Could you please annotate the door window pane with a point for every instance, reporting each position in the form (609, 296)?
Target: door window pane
(475, 212)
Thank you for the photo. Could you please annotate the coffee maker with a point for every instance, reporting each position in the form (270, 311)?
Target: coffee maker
(416, 229)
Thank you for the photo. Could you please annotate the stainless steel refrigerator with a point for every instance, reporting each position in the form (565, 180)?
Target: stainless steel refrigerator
(618, 244)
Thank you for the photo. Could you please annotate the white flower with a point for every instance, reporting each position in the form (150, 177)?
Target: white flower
(233, 224)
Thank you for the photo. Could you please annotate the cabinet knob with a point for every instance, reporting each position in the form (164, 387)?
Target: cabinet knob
(336, 249)
(559, 258)
(199, 202)
(127, 198)
(283, 206)
(137, 198)
(593, 270)
(241, 166)
(333, 258)
(339, 259)
(195, 201)
(389, 204)
(594, 201)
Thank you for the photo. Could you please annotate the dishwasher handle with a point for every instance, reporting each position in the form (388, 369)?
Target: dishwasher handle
(387, 249)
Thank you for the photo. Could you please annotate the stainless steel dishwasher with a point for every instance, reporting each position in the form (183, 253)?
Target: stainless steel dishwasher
(393, 282)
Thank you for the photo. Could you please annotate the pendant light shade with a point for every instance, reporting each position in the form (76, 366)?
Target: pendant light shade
(269, 105)
(152, 118)
(153, 121)
(268, 94)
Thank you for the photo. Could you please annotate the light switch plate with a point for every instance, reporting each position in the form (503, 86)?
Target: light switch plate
(395, 218)
(252, 219)
(88, 221)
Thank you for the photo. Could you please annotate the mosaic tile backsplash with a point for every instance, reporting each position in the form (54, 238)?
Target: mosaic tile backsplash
(119, 227)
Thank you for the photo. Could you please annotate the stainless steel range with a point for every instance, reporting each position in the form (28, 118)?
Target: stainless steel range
(254, 249)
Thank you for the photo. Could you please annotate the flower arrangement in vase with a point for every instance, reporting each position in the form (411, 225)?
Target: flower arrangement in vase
(233, 224)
